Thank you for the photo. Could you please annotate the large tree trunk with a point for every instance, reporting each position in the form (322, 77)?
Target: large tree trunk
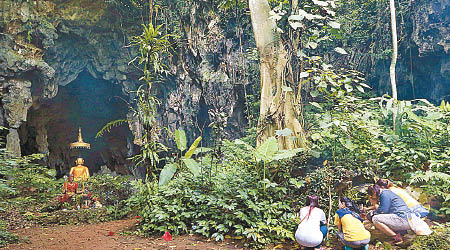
(150, 11)
(394, 58)
(278, 110)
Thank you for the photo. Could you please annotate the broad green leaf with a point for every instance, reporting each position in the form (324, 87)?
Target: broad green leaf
(420, 120)
(334, 25)
(180, 139)
(340, 51)
(348, 144)
(167, 173)
(296, 25)
(304, 74)
(316, 136)
(434, 115)
(267, 150)
(360, 88)
(320, 3)
(296, 17)
(314, 93)
(192, 148)
(315, 104)
(311, 45)
(314, 153)
(285, 154)
(193, 166)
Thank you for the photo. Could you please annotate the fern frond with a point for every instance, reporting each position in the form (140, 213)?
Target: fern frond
(107, 127)
(430, 175)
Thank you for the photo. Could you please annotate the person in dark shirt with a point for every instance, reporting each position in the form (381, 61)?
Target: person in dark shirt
(392, 213)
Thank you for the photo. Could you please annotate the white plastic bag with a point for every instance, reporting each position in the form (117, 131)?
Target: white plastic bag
(419, 226)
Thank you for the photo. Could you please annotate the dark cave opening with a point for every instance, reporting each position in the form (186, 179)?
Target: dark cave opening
(88, 103)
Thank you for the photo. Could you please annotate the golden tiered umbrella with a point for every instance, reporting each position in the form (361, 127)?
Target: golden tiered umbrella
(80, 143)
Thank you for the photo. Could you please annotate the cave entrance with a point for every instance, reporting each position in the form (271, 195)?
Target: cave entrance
(88, 103)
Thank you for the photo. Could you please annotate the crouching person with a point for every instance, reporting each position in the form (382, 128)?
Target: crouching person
(312, 228)
(413, 205)
(351, 230)
(392, 214)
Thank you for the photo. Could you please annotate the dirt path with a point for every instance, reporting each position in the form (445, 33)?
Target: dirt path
(95, 236)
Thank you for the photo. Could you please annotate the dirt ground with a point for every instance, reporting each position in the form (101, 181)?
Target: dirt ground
(95, 236)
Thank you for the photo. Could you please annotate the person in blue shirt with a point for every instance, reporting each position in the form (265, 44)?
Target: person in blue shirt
(391, 215)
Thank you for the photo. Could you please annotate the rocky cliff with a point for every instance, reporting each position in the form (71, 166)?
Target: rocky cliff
(423, 69)
(50, 46)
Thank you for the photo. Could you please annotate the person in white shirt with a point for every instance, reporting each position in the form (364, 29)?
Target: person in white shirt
(312, 228)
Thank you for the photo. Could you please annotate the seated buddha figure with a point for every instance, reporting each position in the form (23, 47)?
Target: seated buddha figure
(80, 172)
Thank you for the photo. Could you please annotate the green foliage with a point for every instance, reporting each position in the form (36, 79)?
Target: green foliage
(445, 106)
(152, 48)
(21, 176)
(232, 204)
(180, 139)
(439, 239)
(5, 236)
(170, 168)
(110, 189)
(436, 184)
(109, 125)
(269, 151)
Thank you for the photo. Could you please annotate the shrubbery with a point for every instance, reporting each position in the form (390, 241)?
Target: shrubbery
(110, 190)
(227, 200)
(5, 236)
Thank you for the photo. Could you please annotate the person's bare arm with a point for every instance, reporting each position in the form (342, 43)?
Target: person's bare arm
(374, 204)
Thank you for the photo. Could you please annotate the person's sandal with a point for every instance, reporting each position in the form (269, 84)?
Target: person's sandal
(397, 239)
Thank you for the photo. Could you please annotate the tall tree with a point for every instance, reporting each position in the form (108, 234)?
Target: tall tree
(278, 110)
(150, 10)
(394, 58)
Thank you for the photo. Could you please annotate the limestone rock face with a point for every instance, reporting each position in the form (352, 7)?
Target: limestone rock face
(209, 75)
(431, 31)
(16, 101)
(431, 34)
(423, 68)
(13, 142)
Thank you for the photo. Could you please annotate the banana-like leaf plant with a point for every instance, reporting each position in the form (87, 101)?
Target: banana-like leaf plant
(170, 169)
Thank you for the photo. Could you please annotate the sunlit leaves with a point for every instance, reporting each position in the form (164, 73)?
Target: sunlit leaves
(304, 74)
(180, 139)
(312, 45)
(167, 173)
(267, 150)
(340, 51)
(192, 165)
(334, 25)
(193, 147)
(320, 3)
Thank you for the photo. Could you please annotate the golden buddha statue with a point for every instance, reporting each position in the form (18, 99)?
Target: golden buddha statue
(80, 172)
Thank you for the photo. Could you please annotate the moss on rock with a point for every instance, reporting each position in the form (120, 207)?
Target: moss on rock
(439, 239)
